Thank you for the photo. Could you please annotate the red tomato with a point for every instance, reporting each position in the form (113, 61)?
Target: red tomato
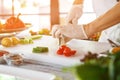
(73, 52)
(2, 52)
(67, 51)
(67, 54)
(60, 51)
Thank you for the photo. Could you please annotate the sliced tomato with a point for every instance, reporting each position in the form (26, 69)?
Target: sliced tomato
(60, 51)
(73, 52)
(67, 52)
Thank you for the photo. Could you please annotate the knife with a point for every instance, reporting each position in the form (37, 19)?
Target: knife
(62, 40)
(112, 43)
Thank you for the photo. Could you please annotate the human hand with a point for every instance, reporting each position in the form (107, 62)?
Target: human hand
(70, 31)
(74, 14)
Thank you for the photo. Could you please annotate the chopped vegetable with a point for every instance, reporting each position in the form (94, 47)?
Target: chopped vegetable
(66, 51)
(36, 37)
(44, 31)
(26, 41)
(29, 40)
(15, 40)
(6, 42)
(40, 49)
(32, 32)
(10, 41)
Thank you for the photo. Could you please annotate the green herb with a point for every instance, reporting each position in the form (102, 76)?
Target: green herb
(95, 67)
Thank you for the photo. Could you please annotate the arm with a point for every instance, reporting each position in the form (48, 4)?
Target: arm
(105, 21)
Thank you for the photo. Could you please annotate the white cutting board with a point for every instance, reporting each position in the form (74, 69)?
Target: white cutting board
(82, 47)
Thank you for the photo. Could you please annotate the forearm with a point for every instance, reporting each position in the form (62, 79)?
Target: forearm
(78, 2)
(105, 21)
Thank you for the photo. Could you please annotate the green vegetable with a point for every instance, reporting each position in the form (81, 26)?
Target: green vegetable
(97, 68)
(26, 41)
(29, 40)
(40, 49)
(36, 37)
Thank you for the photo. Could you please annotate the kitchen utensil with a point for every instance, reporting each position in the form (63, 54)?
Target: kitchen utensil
(112, 43)
(61, 40)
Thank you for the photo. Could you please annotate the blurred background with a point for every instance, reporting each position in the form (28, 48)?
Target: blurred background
(43, 13)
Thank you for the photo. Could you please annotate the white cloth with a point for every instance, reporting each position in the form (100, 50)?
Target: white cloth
(100, 7)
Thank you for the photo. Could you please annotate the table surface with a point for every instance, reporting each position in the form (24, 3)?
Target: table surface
(82, 47)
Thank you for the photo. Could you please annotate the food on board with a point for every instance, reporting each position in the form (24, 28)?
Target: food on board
(115, 49)
(43, 31)
(6, 42)
(15, 40)
(33, 32)
(66, 51)
(26, 41)
(10, 41)
(34, 37)
(13, 59)
(40, 49)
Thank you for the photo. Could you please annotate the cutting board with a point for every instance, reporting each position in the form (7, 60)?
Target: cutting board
(81, 46)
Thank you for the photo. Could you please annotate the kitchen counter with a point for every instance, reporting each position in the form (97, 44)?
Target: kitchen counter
(82, 47)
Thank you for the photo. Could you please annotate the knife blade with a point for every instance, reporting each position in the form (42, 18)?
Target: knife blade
(112, 43)
(61, 40)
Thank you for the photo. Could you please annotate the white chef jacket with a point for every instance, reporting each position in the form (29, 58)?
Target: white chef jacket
(113, 33)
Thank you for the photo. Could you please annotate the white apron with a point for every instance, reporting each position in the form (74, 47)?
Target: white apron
(113, 33)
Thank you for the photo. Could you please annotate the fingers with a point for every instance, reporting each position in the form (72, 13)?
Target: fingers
(75, 21)
(56, 31)
(70, 16)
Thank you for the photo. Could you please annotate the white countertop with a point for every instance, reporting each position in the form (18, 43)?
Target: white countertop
(81, 46)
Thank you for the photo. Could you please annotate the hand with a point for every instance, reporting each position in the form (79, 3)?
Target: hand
(74, 14)
(70, 31)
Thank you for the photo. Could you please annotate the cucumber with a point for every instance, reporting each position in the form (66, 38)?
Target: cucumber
(40, 49)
